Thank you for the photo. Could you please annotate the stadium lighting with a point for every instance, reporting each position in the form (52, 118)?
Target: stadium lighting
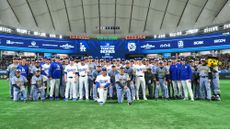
(36, 33)
(52, 35)
(5, 29)
(60, 36)
(227, 26)
(43, 34)
(22, 31)
(175, 34)
(161, 36)
(192, 31)
(211, 29)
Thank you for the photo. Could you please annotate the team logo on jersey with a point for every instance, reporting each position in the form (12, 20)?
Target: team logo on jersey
(66, 46)
(132, 47)
(180, 44)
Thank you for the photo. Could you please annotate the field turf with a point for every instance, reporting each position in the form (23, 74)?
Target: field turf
(151, 114)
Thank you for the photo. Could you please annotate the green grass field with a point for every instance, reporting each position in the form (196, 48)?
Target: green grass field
(149, 114)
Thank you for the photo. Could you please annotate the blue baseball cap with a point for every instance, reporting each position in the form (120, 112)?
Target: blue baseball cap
(104, 69)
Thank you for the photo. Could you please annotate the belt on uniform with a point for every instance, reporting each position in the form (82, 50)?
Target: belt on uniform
(140, 76)
(70, 77)
(83, 76)
(203, 76)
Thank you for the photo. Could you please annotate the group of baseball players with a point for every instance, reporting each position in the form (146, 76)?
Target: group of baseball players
(101, 79)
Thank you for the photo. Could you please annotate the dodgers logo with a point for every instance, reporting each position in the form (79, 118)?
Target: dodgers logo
(82, 47)
(132, 47)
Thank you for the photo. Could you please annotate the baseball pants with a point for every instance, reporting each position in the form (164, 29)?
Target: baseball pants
(54, 86)
(83, 81)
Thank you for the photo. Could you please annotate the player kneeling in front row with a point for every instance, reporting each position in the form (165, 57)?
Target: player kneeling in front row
(121, 84)
(39, 85)
(18, 82)
(102, 83)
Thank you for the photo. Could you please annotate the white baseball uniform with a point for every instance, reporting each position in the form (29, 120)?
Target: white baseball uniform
(71, 86)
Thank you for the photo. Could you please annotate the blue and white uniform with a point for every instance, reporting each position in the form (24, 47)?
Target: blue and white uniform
(186, 77)
(174, 76)
(71, 82)
(83, 80)
(140, 80)
(55, 72)
(105, 82)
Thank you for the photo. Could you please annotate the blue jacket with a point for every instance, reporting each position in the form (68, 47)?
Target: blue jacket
(24, 70)
(185, 72)
(55, 70)
(175, 71)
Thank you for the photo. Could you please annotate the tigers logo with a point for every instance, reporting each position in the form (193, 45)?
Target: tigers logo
(132, 47)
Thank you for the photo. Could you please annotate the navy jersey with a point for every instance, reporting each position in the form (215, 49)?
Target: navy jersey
(185, 72)
(175, 71)
(24, 70)
(55, 70)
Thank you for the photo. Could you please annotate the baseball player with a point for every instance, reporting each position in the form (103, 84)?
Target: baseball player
(45, 72)
(129, 70)
(122, 79)
(25, 71)
(38, 83)
(168, 79)
(112, 74)
(149, 77)
(71, 76)
(204, 73)
(55, 73)
(185, 77)
(92, 67)
(174, 76)
(11, 73)
(18, 83)
(95, 74)
(161, 81)
(83, 70)
(140, 79)
(102, 82)
(195, 77)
